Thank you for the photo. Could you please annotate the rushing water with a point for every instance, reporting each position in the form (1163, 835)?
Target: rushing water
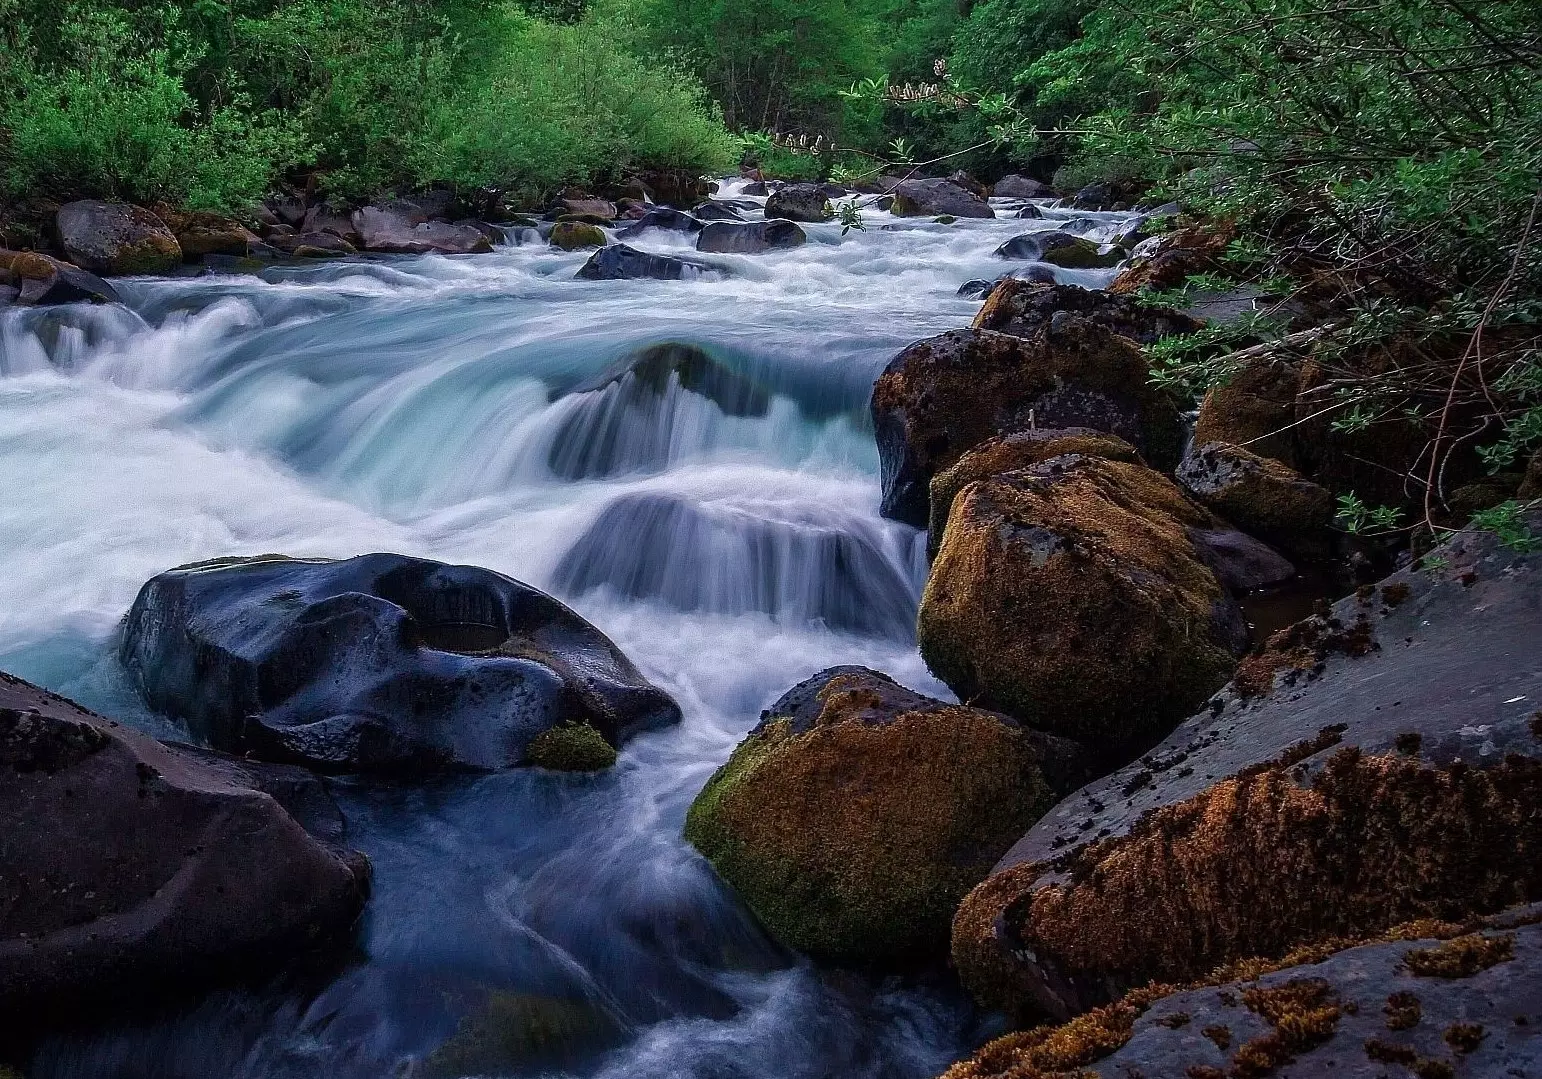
(723, 530)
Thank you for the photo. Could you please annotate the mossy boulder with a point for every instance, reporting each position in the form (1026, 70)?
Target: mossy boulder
(1427, 999)
(115, 238)
(44, 280)
(577, 235)
(934, 198)
(1005, 453)
(1262, 496)
(201, 234)
(1375, 765)
(571, 747)
(518, 1032)
(1023, 307)
(857, 813)
(1060, 248)
(1255, 408)
(1175, 257)
(1082, 595)
(943, 396)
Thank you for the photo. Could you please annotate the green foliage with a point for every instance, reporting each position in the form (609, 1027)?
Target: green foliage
(1356, 518)
(1508, 522)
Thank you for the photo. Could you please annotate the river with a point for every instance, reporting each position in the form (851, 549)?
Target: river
(449, 408)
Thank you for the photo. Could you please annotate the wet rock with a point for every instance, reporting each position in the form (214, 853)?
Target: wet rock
(324, 243)
(1262, 496)
(1017, 186)
(1059, 248)
(45, 281)
(1005, 453)
(1428, 1000)
(857, 812)
(1172, 259)
(513, 1032)
(674, 187)
(750, 237)
(116, 239)
(1372, 766)
(928, 198)
(713, 210)
(209, 234)
(288, 210)
(733, 558)
(379, 663)
(978, 289)
(1082, 595)
(1099, 196)
(1028, 213)
(576, 235)
(756, 188)
(942, 396)
(661, 217)
(799, 202)
(404, 228)
(131, 870)
(1021, 308)
(620, 262)
(960, 178)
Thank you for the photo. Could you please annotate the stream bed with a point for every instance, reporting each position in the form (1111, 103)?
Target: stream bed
(488, 410)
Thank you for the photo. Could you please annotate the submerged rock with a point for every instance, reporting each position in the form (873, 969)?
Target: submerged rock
(750, 237)
(928, 198)
(799, 202)
(380, 663)
(1087, 597)
(940, 397)
(733, 559)
(115, 239)
(1426, 999)
(1023, 307)
(857, 813)
(1372, 766)
(514, 1032)
(131, 870)
(620, 262)
(1059, 249)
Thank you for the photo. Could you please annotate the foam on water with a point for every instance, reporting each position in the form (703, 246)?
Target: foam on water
(714, 512)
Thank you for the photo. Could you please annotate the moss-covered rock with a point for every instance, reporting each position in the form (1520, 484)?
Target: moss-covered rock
(577, 235)
(943, 396)
(1074, 595)
(1255, 408)
(571, 747)
(858, 813)
(1021, 308)
(1004, 453)
(114, 238)
(1178, 256)
(1261, 495)
(515, 1032)
(1375, 765)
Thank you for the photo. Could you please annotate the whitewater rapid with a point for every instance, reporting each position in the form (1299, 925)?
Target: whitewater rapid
(468, 410)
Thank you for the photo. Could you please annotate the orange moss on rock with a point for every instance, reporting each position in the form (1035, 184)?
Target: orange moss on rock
(1021, 308)
(1020, 449)
(1071, 595)
(1267, 862)
(854, 839)
(1254, 409)
(1461, 957)
(1262, 496)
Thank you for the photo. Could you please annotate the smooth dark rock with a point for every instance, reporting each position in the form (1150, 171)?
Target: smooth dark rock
(661, 217)
(978, 289)
(380, 663)
(1098, 196)
(1060, 248)
(750, 237)
(715, 210)
(1017, 186)
(1029, 212)
(132, 871)
(59, 282)
(799, 202)
(929, 198)
(621, 262)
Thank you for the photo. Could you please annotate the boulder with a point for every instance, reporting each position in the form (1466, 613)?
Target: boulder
(209, 234)
(1006, 453)
(756, 187)
(45, 281)
(114, 239)
(716, 210)
(576, 235)
(1022, 307)
(940, 397)
(132, 870)
(960, 178)
(338, 222)
(1059, 248)
(1087, 597)
(857, 813)
(1255, 408)
(661, 217)
(379, 663)
(1262, 496)
(1172, 259)
(674, 187)
(1373, 765)
(620, 262)
(799, 202)
(928, 198)
(1099, 196)
(750, 237)
(404, 229)
(327, 242)
(597, 208)
(1427, 999)
(1028, 213)
(1018, 186)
